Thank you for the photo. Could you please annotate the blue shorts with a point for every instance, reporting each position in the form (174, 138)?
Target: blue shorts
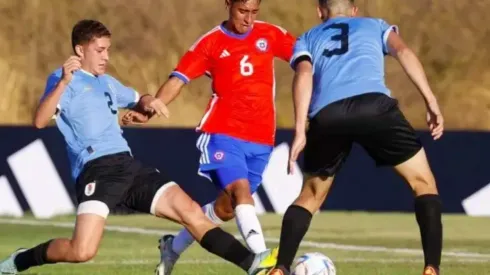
(225, 159)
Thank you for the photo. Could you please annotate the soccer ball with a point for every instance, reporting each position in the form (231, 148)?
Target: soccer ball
(314, 264)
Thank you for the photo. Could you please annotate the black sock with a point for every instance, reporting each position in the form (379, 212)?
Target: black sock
(35, 256)
(428, 210)
(295, 224)
(227, 247)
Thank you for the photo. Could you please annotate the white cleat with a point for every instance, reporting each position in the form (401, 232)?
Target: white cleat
(7, 266)
(168, 257)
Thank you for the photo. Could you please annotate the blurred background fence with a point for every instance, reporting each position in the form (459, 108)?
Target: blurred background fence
(149, 36)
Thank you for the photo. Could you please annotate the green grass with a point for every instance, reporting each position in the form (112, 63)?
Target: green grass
(136, 253)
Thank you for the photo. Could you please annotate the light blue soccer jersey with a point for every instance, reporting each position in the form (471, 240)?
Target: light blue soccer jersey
(87, 116)
(348, 58)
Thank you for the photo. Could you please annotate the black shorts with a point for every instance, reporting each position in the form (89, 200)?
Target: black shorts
(372, 120)
(118, 180)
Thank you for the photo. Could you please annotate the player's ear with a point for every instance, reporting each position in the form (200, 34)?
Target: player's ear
(354, 11)
(79, 50)
(319, 12)
(228, 3)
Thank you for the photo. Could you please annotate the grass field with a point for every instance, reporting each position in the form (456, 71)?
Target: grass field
(358, 243)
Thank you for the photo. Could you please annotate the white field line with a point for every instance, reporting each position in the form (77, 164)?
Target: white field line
(309, 244)
(336, 260)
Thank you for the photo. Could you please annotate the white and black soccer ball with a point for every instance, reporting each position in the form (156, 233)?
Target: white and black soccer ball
(314, 264)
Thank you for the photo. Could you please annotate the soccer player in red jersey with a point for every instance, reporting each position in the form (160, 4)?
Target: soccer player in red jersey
(238, 127)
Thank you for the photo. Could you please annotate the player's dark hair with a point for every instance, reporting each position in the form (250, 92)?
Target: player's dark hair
(86, 30)
(243, 1)
(323, 3)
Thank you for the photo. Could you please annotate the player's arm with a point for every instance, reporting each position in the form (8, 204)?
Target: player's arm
(129, 98)
(149, 105)
(302, 90)
(192, 65)
(55, 87)
(301, 62)
(126, 97)
(48, 107)
(411, 65)
(414, 69)
(284, 44)
(171, 88)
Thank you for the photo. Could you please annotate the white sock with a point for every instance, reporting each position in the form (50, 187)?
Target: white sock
(184, 239)
(249, 226)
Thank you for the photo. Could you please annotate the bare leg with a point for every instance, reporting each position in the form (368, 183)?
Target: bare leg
(428, 206)
(176, 205)
(81, 247)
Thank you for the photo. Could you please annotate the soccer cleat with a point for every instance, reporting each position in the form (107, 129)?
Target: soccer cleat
(168, 257)
(263, 262)
(429, 270)
(7, 266)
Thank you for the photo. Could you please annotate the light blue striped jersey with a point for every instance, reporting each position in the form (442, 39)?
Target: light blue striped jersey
(348, 58)
(87, 115)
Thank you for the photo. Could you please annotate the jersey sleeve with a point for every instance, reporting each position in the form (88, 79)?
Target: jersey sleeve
(284, 43)
(386, 29)
(300, 50)
(126, 97)
(51, 83)
(195, 62)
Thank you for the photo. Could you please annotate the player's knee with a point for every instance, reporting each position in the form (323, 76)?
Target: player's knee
(191, 214)
(83, 256)
(423, 184)
(239, 191)
(83, 253)
(417, 173)
(224, 212)
(316, 188)
(314, 192)
(222, 208)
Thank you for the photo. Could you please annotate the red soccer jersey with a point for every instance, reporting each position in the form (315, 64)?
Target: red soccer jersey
(242, 72)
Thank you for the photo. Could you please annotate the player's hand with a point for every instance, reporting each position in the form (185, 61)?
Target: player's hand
(134, 117)
(71, 65)
(157, 106)
(435, 121)
(298, 146)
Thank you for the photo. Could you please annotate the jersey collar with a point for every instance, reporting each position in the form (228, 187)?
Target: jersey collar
(87, 73)
(232, 34)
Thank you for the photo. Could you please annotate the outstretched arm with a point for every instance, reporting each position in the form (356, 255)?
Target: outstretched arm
(414, 69)
(192, 65)
(148, 105)
(411, 64)
(170, 89)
